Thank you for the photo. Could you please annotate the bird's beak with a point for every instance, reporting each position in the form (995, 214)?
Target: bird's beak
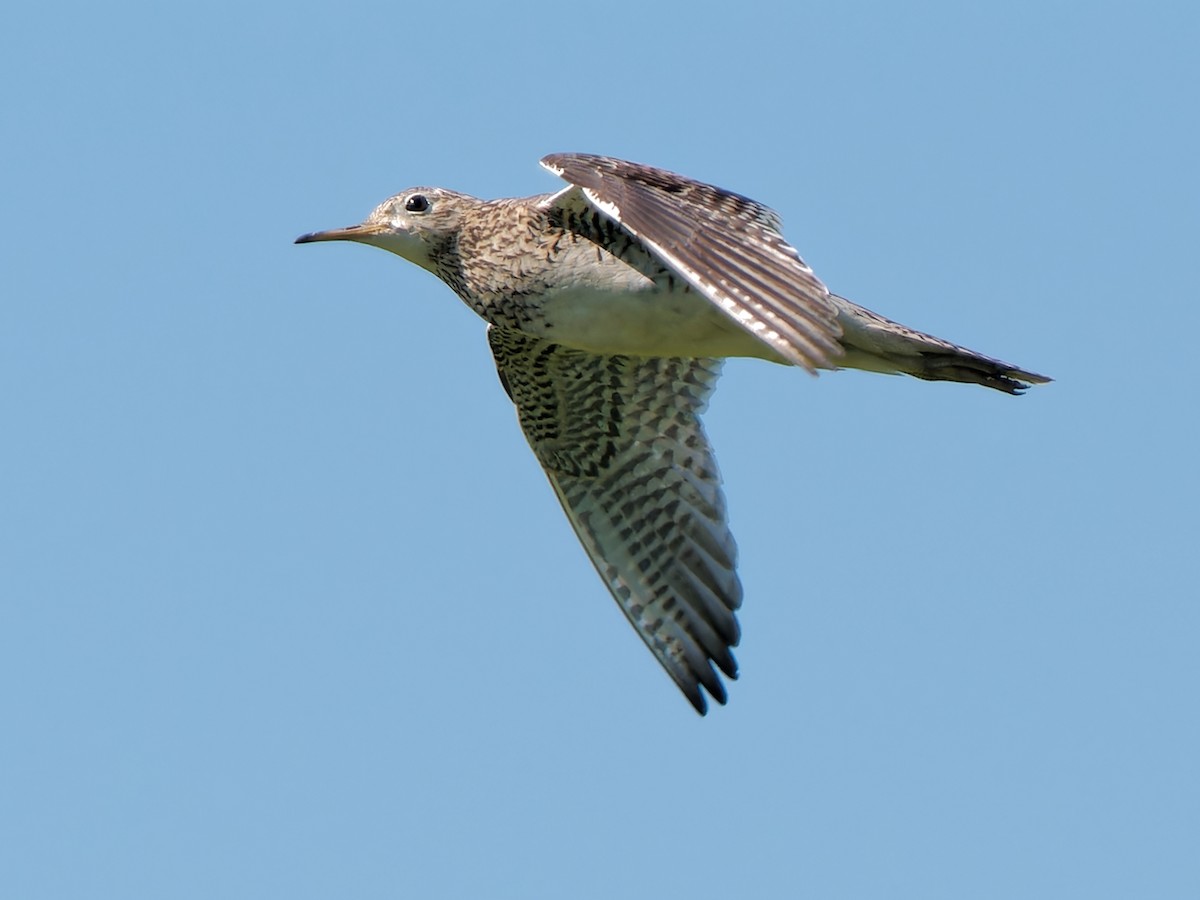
(363, 232)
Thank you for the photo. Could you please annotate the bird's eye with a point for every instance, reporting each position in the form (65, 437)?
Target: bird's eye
(417, 203)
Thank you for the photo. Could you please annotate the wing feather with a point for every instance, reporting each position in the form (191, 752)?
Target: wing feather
(726, 246)
(621, 442)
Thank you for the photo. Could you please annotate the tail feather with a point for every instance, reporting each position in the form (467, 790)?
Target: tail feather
(972, 368)
(877, 344)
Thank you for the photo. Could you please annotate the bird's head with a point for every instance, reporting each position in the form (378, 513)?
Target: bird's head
(415, 224)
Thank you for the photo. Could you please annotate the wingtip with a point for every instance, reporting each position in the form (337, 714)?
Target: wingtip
(558, 162)
(696, 695)
(712, 683)
(551, 162)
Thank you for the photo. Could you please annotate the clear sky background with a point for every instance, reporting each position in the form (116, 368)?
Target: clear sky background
(287, 609)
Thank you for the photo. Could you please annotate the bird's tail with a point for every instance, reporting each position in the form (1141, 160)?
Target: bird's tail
(877, 344)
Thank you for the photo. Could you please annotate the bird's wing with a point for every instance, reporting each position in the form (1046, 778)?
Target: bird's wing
(726, 246)
(621, 441)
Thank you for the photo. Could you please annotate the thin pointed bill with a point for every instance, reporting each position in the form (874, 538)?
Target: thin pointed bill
(362, 232)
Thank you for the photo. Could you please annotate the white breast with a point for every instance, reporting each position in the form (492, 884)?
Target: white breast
(614, 309)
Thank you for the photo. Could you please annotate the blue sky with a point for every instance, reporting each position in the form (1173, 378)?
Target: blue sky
(287, 608)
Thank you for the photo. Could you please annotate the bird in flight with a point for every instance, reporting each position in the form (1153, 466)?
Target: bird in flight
(610, 306)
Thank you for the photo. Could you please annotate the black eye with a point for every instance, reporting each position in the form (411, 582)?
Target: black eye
(417, 203)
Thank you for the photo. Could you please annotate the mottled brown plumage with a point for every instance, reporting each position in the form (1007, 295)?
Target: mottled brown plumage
(610, 305)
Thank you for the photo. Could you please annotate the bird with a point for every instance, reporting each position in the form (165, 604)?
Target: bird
(610, 307)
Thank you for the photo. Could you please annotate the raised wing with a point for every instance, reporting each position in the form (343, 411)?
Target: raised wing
(726, 246)
(621, 441)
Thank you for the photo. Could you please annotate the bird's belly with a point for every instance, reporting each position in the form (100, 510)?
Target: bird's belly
(646, 319)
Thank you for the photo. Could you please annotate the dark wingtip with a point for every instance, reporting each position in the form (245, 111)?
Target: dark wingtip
(695, 697)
